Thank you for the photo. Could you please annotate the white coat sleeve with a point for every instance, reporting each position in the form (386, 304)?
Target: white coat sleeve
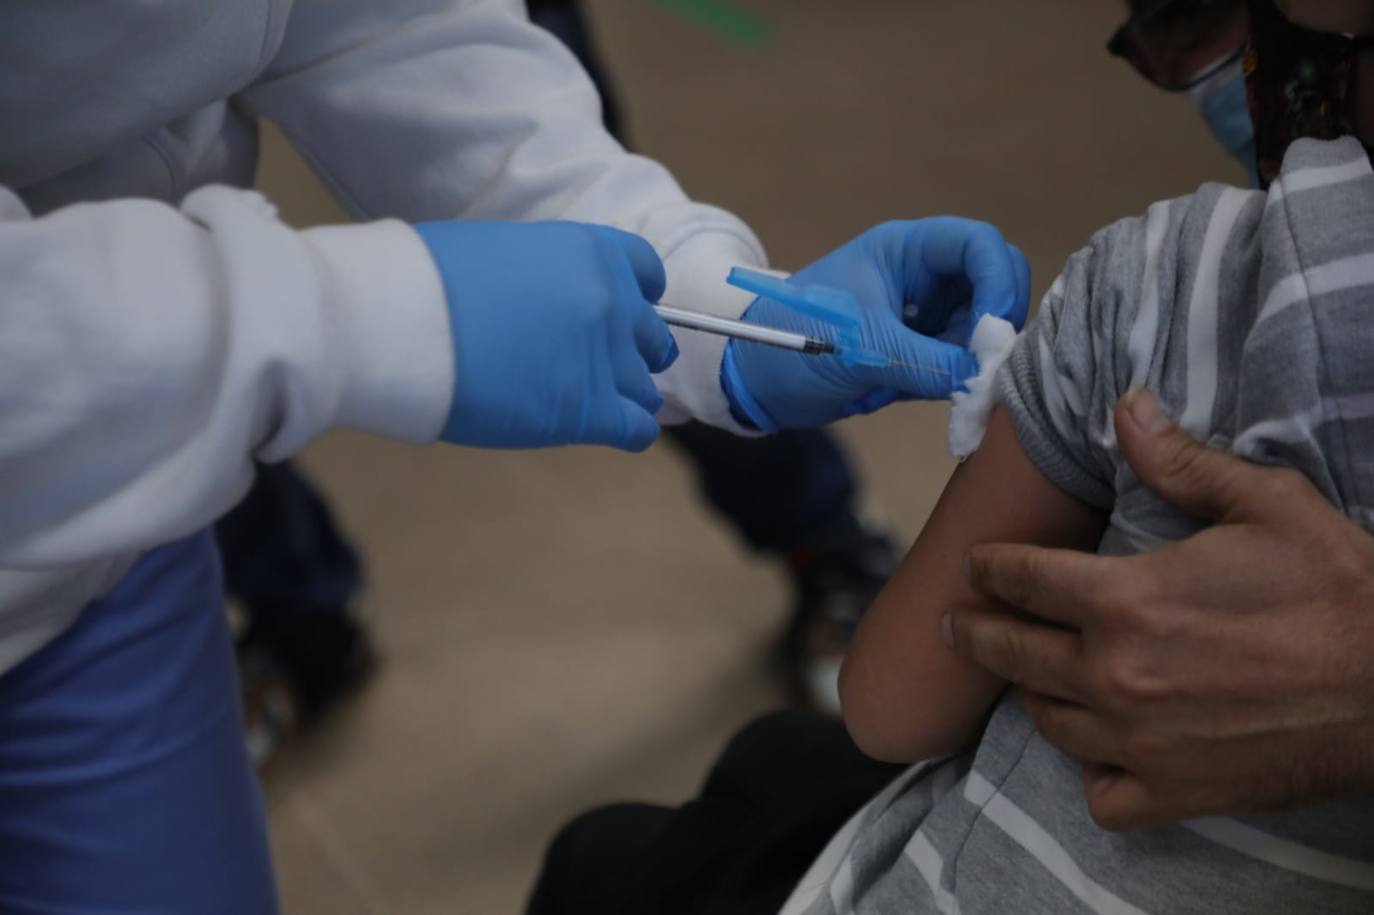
(430, 109)
(147, 354)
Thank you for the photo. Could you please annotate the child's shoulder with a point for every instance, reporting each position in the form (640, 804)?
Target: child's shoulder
(1244, 312)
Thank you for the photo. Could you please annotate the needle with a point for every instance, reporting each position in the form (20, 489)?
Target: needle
(921, 368)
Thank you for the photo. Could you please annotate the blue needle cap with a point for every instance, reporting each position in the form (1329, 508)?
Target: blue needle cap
(833, 307)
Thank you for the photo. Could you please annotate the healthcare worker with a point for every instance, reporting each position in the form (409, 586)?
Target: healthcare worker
(148, 352)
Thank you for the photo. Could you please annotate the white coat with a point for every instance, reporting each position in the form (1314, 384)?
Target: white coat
(159, 328)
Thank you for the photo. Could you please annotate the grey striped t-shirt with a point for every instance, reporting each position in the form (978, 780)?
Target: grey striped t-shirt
(1252, 318)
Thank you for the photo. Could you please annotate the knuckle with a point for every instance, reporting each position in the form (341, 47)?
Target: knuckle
(1145, 620)
(988, 232)
(598, 237)
(1185, 460)
(1042, 715)
(1107, 817)
(1142, 748)
(603, 248)
(1097, 684)
(582, 240)
(1349, 564)
(1119, 601)
(967, 635)
(1015, 577)
(1130, 584)
(1102, 806)
(1127, 682)
(1209, 799)
(1118, 684)
(1008, 649)
(599, 310)
(1144, 686)
(1283, 485)
(1133, 602)
(1057, 726)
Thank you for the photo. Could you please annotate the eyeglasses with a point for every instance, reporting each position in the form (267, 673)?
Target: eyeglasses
(1177, 44)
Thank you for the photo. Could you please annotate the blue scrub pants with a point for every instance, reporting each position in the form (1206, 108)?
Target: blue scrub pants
(124, 784)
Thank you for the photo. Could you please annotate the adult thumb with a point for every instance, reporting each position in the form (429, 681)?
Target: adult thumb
(1206, 483)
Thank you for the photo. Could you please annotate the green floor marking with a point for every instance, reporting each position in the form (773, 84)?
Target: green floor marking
(725, 18)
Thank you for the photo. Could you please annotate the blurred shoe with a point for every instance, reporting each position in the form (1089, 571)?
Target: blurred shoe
(833, 590)
(294, 667)
(271, 715)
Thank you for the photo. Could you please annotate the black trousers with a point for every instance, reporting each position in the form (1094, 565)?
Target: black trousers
(283, 550)
(783, 787)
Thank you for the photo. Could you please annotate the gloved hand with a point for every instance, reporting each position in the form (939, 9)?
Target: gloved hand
(938, 275)
(554, 335)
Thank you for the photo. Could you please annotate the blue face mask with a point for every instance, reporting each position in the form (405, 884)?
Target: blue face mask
(1222, 101)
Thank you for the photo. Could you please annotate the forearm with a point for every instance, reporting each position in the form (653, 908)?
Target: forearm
(147, 355)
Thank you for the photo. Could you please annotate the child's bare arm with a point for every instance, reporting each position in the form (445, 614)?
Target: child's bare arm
(905, 695)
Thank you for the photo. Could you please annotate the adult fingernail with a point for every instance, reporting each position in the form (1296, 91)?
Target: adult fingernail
(1145, 411)
(947, 630)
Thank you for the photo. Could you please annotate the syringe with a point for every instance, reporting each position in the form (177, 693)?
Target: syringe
(833, 307)
(743, 330)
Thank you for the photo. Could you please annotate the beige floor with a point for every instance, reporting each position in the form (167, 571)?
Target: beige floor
(570, 627)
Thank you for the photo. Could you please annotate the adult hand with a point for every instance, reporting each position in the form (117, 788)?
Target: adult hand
(1227, 673)
(554, 333)
(939, 276)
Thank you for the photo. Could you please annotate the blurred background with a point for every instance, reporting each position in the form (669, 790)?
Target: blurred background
(566, 628)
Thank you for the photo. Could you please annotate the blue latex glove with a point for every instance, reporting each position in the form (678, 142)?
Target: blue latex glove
(938, 275)
(554, 335)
